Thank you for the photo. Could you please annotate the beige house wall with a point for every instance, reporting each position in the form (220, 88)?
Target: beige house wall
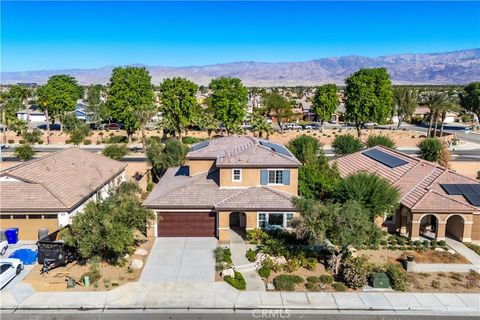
(199, 166)
(475, 229)
(224, 223)
(251, 177)
(28, 228)
(456, 224)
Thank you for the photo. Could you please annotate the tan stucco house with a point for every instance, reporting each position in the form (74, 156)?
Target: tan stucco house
(435, 202)
(234, 181)
(47, 192)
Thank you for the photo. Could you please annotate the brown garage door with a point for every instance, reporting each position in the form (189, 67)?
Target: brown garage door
(186, 224)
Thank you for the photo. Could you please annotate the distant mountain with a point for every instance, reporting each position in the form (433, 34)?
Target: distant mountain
(457, 67)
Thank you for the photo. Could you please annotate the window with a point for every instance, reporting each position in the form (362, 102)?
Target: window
(236, 175)
(262, 220)
(275, 219)
(49, 216)
(34, 216)
(275, 176)
(289, 220)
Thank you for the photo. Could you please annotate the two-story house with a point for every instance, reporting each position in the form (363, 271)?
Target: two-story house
(234, 181)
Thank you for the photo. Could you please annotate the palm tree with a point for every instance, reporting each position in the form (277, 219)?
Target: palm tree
(260, 124)
(435, 101)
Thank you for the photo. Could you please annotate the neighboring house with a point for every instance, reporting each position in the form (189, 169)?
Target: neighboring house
(82, 113)
(35, 115)
(234, 181)
(435, 202)
(424, 113)
(47, 192)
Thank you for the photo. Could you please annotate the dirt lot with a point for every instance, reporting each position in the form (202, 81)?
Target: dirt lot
(112, 276)
(439, 282)
(384, 256)
(467, 168)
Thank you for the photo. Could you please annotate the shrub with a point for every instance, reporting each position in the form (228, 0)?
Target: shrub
(238, 282)
(417, 243)
(442, 243)
(398, 277)
(355, 272)
(311, 286)
(286, 282)
(425, 243)
(346, 144)
(87, 142)
(401, 241)
(433, 243)
(21, 141)
(326, 279)
(472, 279)
(338, 286)
(191, 140)
(473, 247)
(251, 255)
(10, 141)
(393, 242)
(292, 265)
(380, 140)
(435, 284)
(256, 236)
(223, 255)
(32, 137)
(313, 279)
(383, 242)
(116, 151)
(305, 148)
(94, 272)
(430, 149)
(270, 264)
(150, 186)
(23, 152)
(116, 139)
(264, 272)
(310, 264)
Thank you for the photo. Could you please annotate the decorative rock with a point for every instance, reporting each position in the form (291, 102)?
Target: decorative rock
(126, 256)
(439, 249)
(136, 264)
(228, 272)
(262, 256)
(451, 251)
(141, 252)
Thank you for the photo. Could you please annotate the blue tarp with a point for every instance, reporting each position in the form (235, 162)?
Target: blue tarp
(27, 256)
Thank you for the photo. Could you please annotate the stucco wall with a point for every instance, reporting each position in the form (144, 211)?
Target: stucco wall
(199, 166)
(251, 177)
(476, 227)
(28, 228)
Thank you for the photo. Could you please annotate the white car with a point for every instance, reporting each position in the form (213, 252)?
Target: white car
(3, 247)
(9, 269)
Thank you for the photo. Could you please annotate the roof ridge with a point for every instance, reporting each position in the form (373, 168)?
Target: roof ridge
(280, 193)
(418, 184)
(29, 162)
(233, 196)
(446, 197)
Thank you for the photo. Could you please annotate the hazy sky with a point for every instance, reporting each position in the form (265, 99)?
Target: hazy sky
(57, 35)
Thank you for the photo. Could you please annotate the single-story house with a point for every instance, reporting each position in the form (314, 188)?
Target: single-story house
(35, 115)
(47, 192)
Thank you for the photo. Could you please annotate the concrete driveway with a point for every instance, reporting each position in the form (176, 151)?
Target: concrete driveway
(27, 268)
(181, 260)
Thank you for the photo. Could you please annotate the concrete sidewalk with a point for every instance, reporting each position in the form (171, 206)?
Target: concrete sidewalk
(220, 296)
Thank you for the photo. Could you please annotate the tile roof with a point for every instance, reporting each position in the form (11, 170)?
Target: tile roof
(61, 180)
(177, 190)
(243, 151)
(418, 181)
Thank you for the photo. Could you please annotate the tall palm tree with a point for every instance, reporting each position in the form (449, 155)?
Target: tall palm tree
(435, 101)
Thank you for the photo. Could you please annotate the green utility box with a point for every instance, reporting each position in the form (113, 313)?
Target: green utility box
(379, 280)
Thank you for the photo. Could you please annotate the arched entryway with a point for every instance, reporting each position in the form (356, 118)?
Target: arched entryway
(429, 226)
(455, 227)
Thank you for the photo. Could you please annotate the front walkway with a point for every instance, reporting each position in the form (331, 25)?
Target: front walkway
(464, 251)
(181, 260)
(239, 250)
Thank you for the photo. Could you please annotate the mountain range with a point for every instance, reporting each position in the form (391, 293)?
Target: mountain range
(456, 67)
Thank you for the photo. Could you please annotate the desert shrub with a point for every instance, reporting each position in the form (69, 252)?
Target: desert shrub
(472, 279)
(191, 140)
(311, 286)
(383, 242)
(310, 264)
(355, 272)
(326, 279)
(393, 242)
(435, 284)
(251, 255)
(417, 243)
(401, 241)
(425, 243)
(346, 144)
(116, 139)
(223, 255)
(94, 272)
(338, 286)
(286, 282)
(442, 243)
(264, 272)
(32, 137)
(272, 265)
(473, 247)
(398, 277)
(115, 151)
(238, 282)
(430, 149)
(380, 140)
(23, 152)
(87, 142)
(256, 236)
(313, 279)
(292, 265)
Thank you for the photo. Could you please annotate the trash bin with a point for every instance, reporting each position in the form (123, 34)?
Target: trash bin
(12, 235)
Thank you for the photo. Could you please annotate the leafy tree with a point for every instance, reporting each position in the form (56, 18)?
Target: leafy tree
(229, 101)
(406, 101)
(470, 98)
(430, 149)
(23, 152)
(76, 128)
(106, 228)
(259, 124)
(369, 97)
(325, 102)
(206, 121)
(115, 151)
(279, 107)
(163, 156)
(346, 144)
(305, 148)
(130, 89)
(373, 192)
(336, 225)
(178, 97)
(10, 103)
(380, 140)
(57, 97)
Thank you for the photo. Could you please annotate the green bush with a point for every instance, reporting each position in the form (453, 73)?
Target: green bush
(292, 265)
(94, 272)
(23, 152)
(116, 139)
(238, 282)
(401, 241)
(338, 286)
(398, 277)
(87, 142)
(355, 272)
(346, 144)
(417, 243)
(256, 236)
(264, 272)
(430, 149)
(313, 279)
(433, 243)
(442, 243)
(32, 137)
(286, 282)
(393, 242)
(191, 140)
(311, 286)
(326, 279)
(473, 247)
(115, 151)
(223, 255)
(251, 255)
(380, 140)
(426, 243)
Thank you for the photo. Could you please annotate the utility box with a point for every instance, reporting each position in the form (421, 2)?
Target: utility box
(379, 280)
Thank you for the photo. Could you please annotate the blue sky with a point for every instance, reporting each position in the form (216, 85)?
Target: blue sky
(57, 35)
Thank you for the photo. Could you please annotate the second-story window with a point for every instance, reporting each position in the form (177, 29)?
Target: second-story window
(236, 175)
(275, 176)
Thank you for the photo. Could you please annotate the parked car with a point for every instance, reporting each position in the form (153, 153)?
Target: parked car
(3, 242)
(113, 126)
(136, 149)
(292, 126)
(312, 126)
(9, 269)
(370, 124)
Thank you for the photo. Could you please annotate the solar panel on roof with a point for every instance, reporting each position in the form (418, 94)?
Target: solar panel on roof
(464, 188)
(476, 188)
(451, 189)
(199, 145)
(384, 158)
(275, 147)
(473, 198)
(468, 191)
